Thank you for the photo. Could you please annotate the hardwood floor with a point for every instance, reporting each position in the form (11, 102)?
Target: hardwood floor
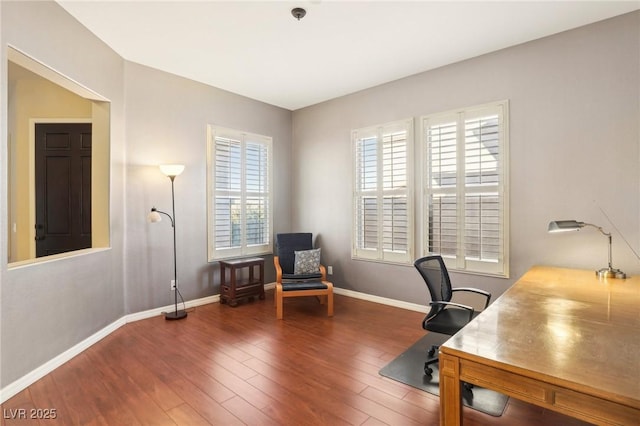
(234, 366)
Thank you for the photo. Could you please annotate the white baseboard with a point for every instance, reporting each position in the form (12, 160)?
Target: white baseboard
(46, 368)
(382, 300)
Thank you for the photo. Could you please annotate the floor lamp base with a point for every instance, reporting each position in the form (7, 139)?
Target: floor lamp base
(175, 315)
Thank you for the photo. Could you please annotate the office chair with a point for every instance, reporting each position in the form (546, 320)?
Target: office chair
(445, 317)
(295, 283)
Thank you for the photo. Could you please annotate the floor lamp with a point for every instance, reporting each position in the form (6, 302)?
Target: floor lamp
(171, 170)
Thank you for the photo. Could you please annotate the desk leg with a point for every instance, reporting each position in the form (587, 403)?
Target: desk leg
(450, 391)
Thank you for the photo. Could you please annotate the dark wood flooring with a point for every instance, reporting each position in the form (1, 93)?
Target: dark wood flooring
(234, 366)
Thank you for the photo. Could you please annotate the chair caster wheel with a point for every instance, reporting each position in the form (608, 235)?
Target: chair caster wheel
(432, 351)
(427, 370)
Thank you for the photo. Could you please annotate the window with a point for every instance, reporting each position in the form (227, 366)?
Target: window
(465, 188)
(239, 193)
(382, 198)
(41, 98)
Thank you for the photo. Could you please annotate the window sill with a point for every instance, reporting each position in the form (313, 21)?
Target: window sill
(54, 258)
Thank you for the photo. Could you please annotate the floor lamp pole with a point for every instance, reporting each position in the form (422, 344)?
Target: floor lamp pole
(176, 314)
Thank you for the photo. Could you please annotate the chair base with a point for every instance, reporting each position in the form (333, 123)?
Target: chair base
(325, 295)
(428, 371)
(431, 359)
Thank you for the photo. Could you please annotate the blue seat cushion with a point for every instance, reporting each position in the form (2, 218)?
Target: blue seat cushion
(309, 285)
(301, 277)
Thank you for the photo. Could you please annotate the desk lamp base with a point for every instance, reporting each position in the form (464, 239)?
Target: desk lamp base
(611, 273)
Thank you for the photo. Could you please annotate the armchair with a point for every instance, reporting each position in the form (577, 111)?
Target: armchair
(306, 277)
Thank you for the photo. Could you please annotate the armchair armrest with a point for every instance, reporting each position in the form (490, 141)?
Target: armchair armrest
(323, 271)
(486, 294)
(276, 263)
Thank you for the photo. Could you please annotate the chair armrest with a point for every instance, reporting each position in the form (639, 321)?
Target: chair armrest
(456, 305)
(486, 294)
(323, 271)
(276, 263)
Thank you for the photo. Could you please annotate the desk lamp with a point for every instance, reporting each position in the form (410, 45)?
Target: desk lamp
(171, 171)
(574, 225)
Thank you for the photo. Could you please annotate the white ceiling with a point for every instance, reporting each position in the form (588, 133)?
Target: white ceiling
(257, 49)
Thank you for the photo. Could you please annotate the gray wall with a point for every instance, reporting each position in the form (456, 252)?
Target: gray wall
(49, 307)
(574, 147)
(167, 119)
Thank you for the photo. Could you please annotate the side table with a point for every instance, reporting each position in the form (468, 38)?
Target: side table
(235, 288)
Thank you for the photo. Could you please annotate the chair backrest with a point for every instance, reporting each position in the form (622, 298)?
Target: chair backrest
(287, 244)
(435, 274)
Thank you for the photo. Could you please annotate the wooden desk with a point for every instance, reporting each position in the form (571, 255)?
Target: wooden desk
(559, 338)
(234, 289)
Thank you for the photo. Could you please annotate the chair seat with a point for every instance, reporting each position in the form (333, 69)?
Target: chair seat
(310, 285)
(301, 277)
(449, 321)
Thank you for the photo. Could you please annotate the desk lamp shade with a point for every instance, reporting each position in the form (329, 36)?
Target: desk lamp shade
(565, 225)
(574, 225)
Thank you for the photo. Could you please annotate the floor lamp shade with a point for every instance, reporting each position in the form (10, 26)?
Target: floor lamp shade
(171, 170)
(155, 215)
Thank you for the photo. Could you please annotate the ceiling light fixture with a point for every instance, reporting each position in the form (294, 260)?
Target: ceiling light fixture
(298, 13)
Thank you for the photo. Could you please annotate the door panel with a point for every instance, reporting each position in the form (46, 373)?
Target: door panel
(63, 187)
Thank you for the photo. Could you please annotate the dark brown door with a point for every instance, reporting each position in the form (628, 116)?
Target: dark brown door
(63, 187)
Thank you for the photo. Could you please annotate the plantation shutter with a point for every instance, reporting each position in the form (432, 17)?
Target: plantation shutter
(483, 208)
(465, 188)
(228, 194)
(257, 193)
(240, 194)
(382, 212)
(366, 200)
(441, 186)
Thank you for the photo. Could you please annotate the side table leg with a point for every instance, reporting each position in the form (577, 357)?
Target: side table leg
(223, 295)
(261, 266)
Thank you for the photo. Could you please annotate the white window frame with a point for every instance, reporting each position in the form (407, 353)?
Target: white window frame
(377, 252)
(459, 261)
(244, 248)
